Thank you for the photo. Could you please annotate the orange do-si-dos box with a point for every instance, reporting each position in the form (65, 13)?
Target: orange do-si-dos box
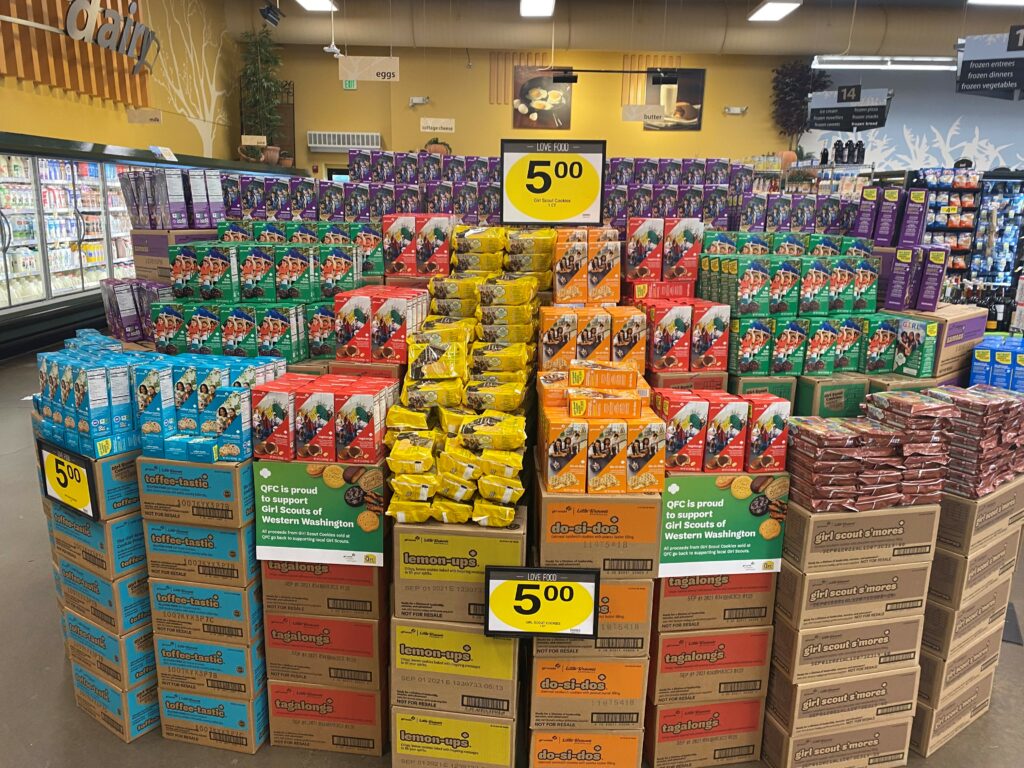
(601, 374)
(725, 446)
(314, 422)
(604, 273)
(352, 312)
(559, 327)
(669, 325)
(553, 389)
(602, 235)
(594, 331)
(565, 451)
(273, 420)
(645, 453)
(709, 336)
(569, 285)
(769, 432)
(590, 403)
(629, 336)
(686, 426)
(570, 749)
(606, 455)
(581, 694)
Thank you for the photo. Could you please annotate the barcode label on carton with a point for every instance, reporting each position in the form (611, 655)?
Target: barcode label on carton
(624, 564)
(217, 513)
(619, 642)
(747, 749)
(117, 725)
(225, 685)
(482, 702)
(216, 570)
(740, 685)
(905, 707)
(229, 738)
(352, 741)
(890, 758)
(351, 674)
(99, 562)
(745, 613)
(921, 549)
(615, 717)
(893, 658)
(477, 609)
(217, 629)
(339, 604)
(103, 618)
(904, 605)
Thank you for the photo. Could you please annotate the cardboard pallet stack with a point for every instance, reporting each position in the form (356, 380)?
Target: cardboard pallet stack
(848, 620)
(711, 651)
(975, 557)
(454, 692)
(587, 696)
(201, 550)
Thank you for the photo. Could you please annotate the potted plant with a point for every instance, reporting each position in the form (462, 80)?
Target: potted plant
(260, 90)
(437, 147)
(286, 160)
(792, 85)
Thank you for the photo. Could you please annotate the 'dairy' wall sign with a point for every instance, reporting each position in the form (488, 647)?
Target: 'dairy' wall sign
(109, 29)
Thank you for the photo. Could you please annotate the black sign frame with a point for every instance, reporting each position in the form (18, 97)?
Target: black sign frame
(503, 572)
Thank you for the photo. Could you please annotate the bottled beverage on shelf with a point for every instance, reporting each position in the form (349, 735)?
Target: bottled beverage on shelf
(838, 153)
(851, 152)
(823, 159)
(860, 152)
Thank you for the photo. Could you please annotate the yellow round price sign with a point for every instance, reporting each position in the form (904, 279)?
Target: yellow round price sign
(529, 602)
(67, 479)
(552, 182)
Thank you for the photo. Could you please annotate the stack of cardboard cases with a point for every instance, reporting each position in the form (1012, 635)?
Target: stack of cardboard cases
(207, 617)
(100, 571)
(587, 696)
(711, 651)
(848, 617)
(977, 550)
(326, 629)
(454, 692)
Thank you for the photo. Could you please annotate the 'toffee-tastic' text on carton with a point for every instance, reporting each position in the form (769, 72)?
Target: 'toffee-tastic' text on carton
(852, 649)
(450, 667)
(571, 749)
(324, 589)
(842, 702)
(127, 715)
(124, 661)
(703, 734)
(326, 650)
(968, 524)
(327, 719)
(623, 624)
(710, 665)
(421, 739)
(217, 495)
(204, 555)
(843, 597)
(685, 603)
(940, 678)
(206, 612)
(858, 747)
(210, 721)
(215, 669)
(934, 727)
(833, 541)
(577, 694)
(118, 606)
(957, 579)
(439, 569)
(947, 630)
(111, 549)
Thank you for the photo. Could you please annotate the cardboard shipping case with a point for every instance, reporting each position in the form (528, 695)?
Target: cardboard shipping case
(204, 555)
(842, 702)
(210, 721)
(126, 714)
(710, 665)
(941, 678)
(823, 541)
(623, 624)
(957, 579)
(934, 727)
(947, 630)
(422, 739)
(610, 749)
(327, 719)
(219, 495)
(328, 651)
(851, 649)
(230, 671)
(858, 747)
(451, 667)
(124, 661)
(704, 734)
(118, 606)
(685, 603)
(957, 329)
(323, 589)
(439, 568)
(837, 395)
(214, 613)
(580, 694)
(966, 525)
(110, 550)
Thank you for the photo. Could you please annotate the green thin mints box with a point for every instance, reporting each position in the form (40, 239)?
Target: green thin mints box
(338, 270)
(821, 341)
(184, 271)
(784, 285)
(715, 270)
(272, 232)
(304, 231)
(234, 231)
(204, 329)
(789, 347)
(256, 264)
(297, 272)
(789, 243)
(915, 347)
(218, 272)
(718, 243)
(824, 245)
(367, 243)
(278, 331)
(321, 330)
(815, 274)
(753, 243)
(239, 331)
(840, 285)
(857, 246)
(750, 346)
(849, 345)
(879, 347)
(168, 327)
(749, 292)
(865, 284)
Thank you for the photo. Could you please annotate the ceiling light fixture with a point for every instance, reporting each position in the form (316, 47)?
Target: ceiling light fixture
(773, 10)
(918, 63)
(1003, 3)
(317, 5)
(536, 9)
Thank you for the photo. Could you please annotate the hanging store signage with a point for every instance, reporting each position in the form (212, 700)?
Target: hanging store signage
(552, 182)
(533, 602)
(67, 478)
(108, 29)
(993, 65)
(380, 68)
(849, 108)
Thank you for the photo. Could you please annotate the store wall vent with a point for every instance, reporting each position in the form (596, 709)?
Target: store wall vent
(336, 141)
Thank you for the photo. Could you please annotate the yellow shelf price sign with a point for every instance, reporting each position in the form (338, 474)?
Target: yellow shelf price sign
(540, 602)
(552, 182)
(67, 478)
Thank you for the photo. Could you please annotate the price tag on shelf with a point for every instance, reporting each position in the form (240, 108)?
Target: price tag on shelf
(532, 602)
(552, 182)
(67, 478)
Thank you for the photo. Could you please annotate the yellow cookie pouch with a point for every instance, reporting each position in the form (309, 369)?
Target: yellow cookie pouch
(454, 307)
(498, 357)
(493, 429)
(499, 314)
(414, 487)
(510, 334)
(461, 464)
(531, 241)
(501, 463)
(453, 416)
(403, 417)
(410, 511)
(392, 436)
(487, 392)
(508, 288)
(455, 488)
(425, 394)
(503, 490)
(437, 361)
(411, 454)
(477, 262)
(528, 262)
(456, 287)
(491, 515)
(448, 511)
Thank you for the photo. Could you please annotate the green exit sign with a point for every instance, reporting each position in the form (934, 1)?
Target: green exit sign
(348, 85)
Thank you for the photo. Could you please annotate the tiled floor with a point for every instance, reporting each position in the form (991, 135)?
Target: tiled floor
(41, 727)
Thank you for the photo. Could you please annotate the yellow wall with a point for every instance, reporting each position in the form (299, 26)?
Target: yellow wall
(201, 124)
(462, 93)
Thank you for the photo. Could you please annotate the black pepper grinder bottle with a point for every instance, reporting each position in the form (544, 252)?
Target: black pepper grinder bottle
(824, 156)
(838, 154)
(851, 152)
(860, 150)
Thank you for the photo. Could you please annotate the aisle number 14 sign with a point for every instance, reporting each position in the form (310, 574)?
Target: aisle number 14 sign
(552, 182)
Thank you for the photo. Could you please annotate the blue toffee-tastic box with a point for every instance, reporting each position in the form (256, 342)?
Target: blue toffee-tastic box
(203, 612)
(203, 555)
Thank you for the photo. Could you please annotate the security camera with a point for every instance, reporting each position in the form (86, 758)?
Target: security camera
(331, 49)
(271, 14)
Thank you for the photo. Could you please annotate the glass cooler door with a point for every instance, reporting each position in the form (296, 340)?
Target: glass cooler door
(60, 226)
(90, 213)
(119, 224)
(21, 275)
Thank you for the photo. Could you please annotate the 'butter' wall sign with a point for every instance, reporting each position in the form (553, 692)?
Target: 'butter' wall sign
(107, 28)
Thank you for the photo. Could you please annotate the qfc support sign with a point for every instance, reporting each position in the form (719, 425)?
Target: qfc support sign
(552, 182)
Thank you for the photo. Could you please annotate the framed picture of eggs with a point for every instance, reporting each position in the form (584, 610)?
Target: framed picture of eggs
(680, 92)
(539, 102)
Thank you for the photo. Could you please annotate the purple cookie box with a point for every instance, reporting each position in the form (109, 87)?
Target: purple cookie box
(888, 217)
